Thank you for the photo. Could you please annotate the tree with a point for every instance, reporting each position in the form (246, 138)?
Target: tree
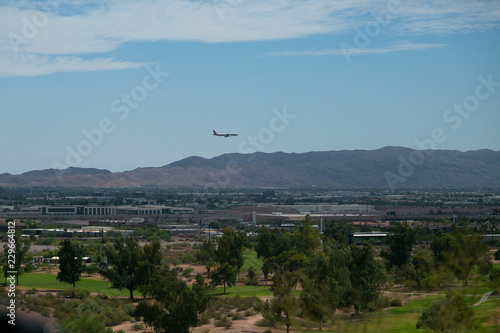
(288, 261)
(340, 231)
(175, 306)
(400, 245)
(149, 264)
(466, 249)
(366, 277)
(308, 238)
(70, 262)
(484, 265)
(251, 274)
(441, 244)
(325, 283)
(229, 255)
(224, 274)
(122, 269)
(19, 249)
(206, 255)
(273, 243)
(284, 306)
(450, 314)
(266, 269)
(230, 248)
(90, 269)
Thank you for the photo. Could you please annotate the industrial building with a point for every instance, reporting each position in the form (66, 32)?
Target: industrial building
(108, 210)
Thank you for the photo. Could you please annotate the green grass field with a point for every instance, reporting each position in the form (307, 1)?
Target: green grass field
(243, 291)
(251, 260)
(404, 319)
(49, 281)
(399, 319)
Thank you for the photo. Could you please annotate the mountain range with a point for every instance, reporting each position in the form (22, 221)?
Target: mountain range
(385, 167)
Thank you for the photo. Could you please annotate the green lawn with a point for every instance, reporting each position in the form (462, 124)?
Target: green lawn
(393, 320)
(486, 314)
(49, 281)
(404, 319)
(243, 291)
(251, 260)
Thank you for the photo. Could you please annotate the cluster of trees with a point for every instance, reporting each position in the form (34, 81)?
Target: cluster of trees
(449, 314)
(332, 275)
(449, 256)
(174, 306)
(225, 256)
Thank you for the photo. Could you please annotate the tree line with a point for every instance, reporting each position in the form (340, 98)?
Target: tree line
(332, 272)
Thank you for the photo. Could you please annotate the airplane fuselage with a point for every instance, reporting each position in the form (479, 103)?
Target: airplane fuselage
(226, 135)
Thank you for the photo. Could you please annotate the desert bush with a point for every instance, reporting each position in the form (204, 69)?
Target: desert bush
(31, 291)
(265, 323)
(187, 272)
(85, 323)
(225, 322)
(204, 319)
(396, 302)
(380, 303)
(138, 327)
(250, 313)
(75, 293)
(238, 316)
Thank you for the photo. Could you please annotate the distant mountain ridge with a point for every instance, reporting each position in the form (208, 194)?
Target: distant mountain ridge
(384, 167)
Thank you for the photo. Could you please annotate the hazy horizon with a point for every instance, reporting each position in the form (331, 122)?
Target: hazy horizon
(211, 157)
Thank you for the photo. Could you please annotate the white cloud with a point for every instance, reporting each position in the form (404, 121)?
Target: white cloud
(401, 46)
(25, 64)
(58, 34)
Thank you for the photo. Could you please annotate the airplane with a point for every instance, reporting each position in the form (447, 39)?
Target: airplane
(226, 135)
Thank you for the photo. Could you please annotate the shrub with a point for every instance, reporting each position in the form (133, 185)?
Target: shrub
(265, 323)
(380, 303)
(75, 293)
(450, 314)
(187, 272)
(237, 316)
(213, 314)
(249, 282)
(85, 323)
(225, 322)
(31, 291)
(138, 327)
(204, 319)
(46, 312)
(396, 302)
(250, 313)
(188, 258)
(112, 317)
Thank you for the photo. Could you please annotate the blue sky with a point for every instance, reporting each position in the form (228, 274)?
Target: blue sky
(125, 84)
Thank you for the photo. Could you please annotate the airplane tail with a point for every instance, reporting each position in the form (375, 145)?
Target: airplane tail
(215, 133)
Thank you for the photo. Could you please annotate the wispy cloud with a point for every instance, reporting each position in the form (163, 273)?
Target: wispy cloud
(401, 46)
(26, 64)
(58, 33)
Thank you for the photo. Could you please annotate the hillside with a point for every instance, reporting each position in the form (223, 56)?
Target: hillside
(385, 167)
